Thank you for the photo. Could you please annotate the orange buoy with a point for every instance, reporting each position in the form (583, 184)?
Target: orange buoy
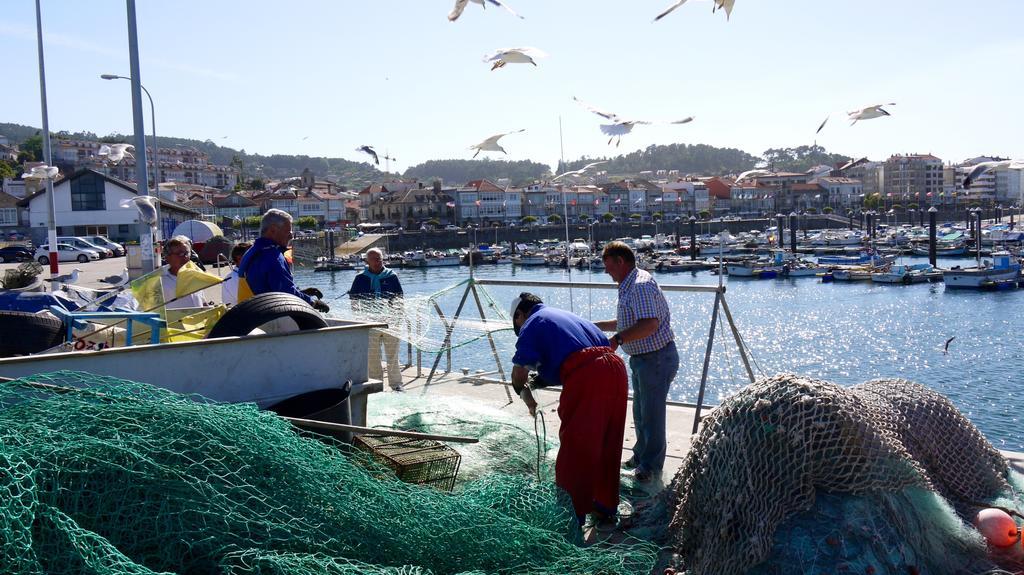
(997, 527)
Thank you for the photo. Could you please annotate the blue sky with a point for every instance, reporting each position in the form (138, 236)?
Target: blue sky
(396, 74)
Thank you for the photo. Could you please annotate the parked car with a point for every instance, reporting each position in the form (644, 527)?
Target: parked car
(451, 227)
(105, 242)
(82, 243)
(15, 254)
(65, 253)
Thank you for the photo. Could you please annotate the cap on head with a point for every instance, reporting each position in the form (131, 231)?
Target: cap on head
(527, 298)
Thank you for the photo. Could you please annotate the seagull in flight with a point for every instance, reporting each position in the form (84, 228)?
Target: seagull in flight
(460, 5)
(724, 4)
(865, 113)
(114, 153)
(505, 56)
(369, 150)
(621, 126)
(42, 172)
(491, 144)
(752, 174)
(578, 172)
(982, 167)
(146, 206)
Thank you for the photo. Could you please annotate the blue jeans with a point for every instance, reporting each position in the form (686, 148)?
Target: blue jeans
(653, 374)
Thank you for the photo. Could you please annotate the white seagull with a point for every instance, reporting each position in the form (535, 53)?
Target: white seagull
(578, 172)
(621, 126)
(67, 278)
(117, 280)
(42, 172)
(114, 153)
(818, 172)
(752, 174)
(724, 4)
(865, 113)
(369, 150)
(460, 5)
(983, 167)
(523, 55)
(146, 206)
(491, 144)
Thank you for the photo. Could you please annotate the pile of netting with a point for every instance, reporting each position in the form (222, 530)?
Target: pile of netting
(428, 321)
(794, 475)
(105, 476)
(508, 443)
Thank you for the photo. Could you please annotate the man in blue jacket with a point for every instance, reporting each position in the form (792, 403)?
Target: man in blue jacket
(374, 284)
(264, 268)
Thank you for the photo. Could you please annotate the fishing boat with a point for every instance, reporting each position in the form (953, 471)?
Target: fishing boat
(1002, 268)
(907, 274)
(943, 249)
(863, 258)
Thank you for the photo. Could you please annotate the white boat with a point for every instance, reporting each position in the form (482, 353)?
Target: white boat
(1003, 268)
(837, 238)
(906, 274)
(530, 260)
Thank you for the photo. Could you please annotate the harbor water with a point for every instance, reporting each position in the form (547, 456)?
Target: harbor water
(845, 333)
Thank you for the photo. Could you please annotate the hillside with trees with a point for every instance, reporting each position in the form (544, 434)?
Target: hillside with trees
(696, 159)
(458, 172)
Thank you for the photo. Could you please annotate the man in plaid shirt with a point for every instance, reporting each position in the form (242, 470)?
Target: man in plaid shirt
(643, 326)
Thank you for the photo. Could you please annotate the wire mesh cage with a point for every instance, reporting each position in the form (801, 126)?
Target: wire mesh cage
(418, 461)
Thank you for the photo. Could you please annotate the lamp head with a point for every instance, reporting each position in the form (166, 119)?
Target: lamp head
(109, 76)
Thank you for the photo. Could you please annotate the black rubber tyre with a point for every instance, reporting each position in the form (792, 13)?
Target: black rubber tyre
(83, 258)
(258, 310)
(22, 333)
(44, 260)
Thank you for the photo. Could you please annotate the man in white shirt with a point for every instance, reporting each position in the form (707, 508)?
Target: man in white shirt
(178, 250)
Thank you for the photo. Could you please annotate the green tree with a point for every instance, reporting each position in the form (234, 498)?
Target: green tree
(307, 222)
(584, 217)
(635, 216)
(255, 184)
(811, 210)
(656, 216)
(704, 214)
(529, 219)
(7, 170)
(912, 206)
(554, 219)
(33, 148)
(252, 222)
(897, 207)
(827, 210)
(608, 216)
(871, 202)
(434, 223)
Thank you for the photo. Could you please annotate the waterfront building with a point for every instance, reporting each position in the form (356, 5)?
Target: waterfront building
(912, 178)
(841, 194)
(184, 164)
(89, 203)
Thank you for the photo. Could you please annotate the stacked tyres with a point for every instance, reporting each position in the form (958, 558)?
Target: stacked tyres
(261, 309)
(23, 333)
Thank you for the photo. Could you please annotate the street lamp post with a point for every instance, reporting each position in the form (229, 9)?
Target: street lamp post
(152, 125)
(51, 224)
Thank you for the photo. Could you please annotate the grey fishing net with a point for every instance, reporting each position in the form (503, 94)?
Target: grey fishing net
(795, 475)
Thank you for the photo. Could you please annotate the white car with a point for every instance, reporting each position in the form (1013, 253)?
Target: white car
(82, 243)
(451, 227)
(65, 253)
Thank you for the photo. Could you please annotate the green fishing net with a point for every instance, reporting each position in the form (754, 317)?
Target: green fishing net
(105, 476)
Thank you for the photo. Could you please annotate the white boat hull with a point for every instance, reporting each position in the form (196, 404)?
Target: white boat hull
(975, 278)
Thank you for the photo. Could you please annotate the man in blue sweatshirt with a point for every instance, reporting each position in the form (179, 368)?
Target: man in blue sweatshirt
(377, 282)
(264, 268)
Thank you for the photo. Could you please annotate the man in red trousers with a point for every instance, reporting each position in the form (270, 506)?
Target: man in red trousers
(570, 351)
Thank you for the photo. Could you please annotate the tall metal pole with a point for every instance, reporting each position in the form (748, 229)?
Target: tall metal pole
(141, 166)
(932, 212)
(51, 218)
(977, 237)
(693, 238)
(792, 232)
